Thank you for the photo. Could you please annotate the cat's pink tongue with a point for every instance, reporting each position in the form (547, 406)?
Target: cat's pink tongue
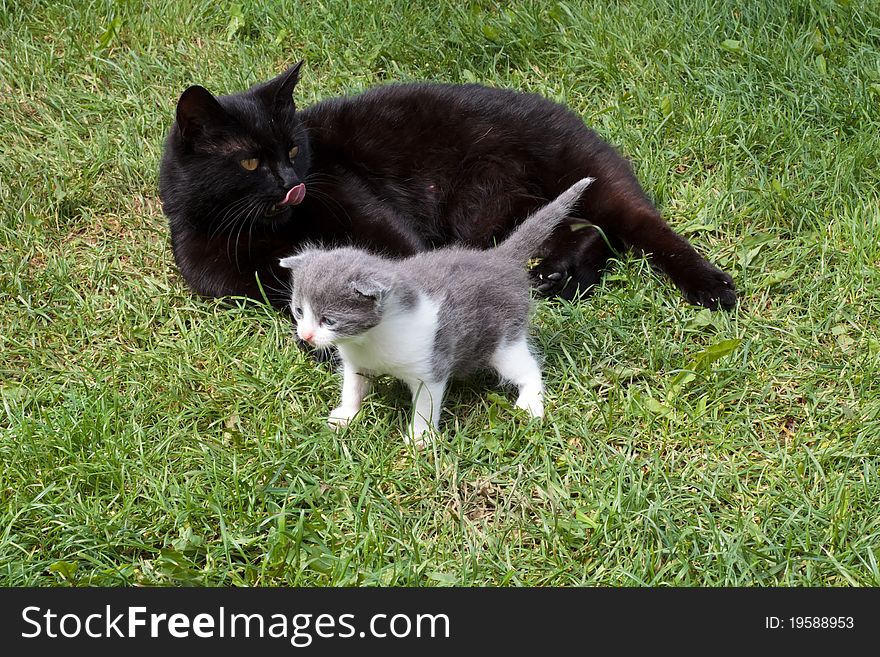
(294, 195)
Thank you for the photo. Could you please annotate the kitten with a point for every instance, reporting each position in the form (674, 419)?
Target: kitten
(420, 320)
(399, 169)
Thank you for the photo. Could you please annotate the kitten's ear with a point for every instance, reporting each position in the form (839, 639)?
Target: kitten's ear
(370, 288)
(294, 262)
(197, 112)
(278, 92)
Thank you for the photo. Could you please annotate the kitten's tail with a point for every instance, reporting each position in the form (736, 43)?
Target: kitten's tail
(534, 231)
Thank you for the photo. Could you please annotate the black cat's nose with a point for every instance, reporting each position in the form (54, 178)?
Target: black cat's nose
(292, 181)
(287, 177)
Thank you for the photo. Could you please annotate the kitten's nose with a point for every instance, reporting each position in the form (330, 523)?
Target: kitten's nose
(307, 335)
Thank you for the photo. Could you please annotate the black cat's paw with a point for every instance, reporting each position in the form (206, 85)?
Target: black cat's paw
(547, 281)
(711, 288)
(553, 279)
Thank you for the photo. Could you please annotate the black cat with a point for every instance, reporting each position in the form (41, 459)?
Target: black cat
(246, 179)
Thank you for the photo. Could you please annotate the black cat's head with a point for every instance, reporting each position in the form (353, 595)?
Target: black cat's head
(231, 160)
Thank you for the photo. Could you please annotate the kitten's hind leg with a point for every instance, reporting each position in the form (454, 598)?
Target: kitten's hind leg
(355, 387)
(515, 363)
(427, 401)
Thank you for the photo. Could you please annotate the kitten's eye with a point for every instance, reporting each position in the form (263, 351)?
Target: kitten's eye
(298, 312)
(327, 321)
(249, 164)
(292, 152)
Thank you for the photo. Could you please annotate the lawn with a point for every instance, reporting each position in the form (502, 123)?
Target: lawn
(151, 437)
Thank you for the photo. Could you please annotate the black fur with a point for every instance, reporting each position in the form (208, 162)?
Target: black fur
(397, 170)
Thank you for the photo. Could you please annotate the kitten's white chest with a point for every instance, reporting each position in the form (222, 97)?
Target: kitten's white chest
(402, 345)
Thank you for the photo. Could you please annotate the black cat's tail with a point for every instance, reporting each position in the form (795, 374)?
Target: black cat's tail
(534, 231)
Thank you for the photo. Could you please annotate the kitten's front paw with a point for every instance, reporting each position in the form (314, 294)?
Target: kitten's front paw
(532, 403)
(419, 437)
(340, 417)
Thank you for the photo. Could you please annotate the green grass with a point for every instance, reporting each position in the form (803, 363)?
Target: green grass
(149, 437)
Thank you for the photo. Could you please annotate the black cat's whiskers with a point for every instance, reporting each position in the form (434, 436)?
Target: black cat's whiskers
(317, 179)
(241, 226)
(325, 200)
(265, 207)
(286, 290)
(313, 182)
(230, 215)
(252, 213)
(238, 221)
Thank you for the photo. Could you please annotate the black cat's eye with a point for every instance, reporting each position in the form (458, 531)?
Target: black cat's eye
(249, 164)
(298, 312)
(292, 152)
(327, 321)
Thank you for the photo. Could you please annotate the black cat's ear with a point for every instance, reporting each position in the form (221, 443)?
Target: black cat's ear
(288, 80)
(370, 288)
(278, 92)
(197, 112)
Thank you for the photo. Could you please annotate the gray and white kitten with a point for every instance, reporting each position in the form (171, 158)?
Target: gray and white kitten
(426, 318)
